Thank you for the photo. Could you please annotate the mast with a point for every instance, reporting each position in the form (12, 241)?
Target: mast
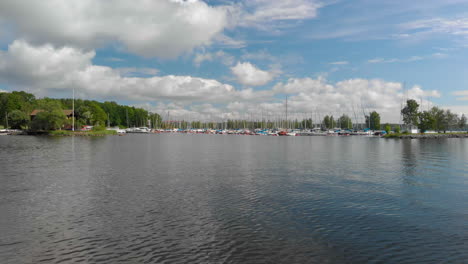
(126, 113)
(287, 125)
(73, 110)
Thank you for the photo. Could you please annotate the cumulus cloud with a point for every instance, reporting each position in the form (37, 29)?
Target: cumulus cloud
(46, 68)
(350, 96)
(159, 28)
(247, 74)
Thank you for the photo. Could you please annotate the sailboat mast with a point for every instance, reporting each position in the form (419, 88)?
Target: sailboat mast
(73, 110)
(287, 126)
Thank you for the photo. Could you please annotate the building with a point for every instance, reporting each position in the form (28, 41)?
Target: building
(68, 113)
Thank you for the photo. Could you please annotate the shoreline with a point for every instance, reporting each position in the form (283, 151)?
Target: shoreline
(428, 136)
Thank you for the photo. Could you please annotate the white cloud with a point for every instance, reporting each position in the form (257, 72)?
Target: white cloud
(261, 55)
(436, 55)
(458, 109)
(201, 57)
(350, 96)
(223, 57)
(132, 71)
(394, 60)
(439, 25)
(159, 28)
(115, 59)
(248, 74)
(45, 69)
(339, 63)
(461, 95)
(267, 14)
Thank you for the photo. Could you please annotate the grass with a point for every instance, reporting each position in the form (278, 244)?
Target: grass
(397, 135)
(82, 133)
(393, 135)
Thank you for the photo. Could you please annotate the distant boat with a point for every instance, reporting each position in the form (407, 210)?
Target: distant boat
(138, 130)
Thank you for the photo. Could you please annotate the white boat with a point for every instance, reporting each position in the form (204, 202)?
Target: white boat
(138, 130)
(117, 129)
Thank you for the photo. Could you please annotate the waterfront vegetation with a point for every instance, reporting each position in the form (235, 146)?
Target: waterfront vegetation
(92, 133)
(434, 119)
(16, 109)
(51, 114)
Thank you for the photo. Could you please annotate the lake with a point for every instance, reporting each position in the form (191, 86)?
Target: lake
(174, 198)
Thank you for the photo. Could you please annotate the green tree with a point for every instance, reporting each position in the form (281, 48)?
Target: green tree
(410, 113)
(397, 129)
(329, 122)
(99, 117)
(373, 121)
(462, 122)
(450, 120)
(426, 121)
(17, 119)
(439, 120)
(388, 128)
(51, 118)
(345, 122)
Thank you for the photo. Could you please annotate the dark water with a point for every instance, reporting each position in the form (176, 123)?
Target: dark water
(233, 199)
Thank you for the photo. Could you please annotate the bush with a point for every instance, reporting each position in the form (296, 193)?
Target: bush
(388, 128)
(397, 129)
(99, 128)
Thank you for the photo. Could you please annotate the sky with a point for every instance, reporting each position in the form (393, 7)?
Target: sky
(219, 59)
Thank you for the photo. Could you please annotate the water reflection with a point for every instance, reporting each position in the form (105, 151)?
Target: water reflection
(234, 199)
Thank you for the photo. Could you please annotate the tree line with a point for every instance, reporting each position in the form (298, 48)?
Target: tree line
(433, 119)
(16, 108)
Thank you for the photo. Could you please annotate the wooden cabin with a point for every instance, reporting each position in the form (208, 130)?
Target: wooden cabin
(68, 113)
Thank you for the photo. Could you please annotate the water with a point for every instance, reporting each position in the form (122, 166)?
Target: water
(232, 199)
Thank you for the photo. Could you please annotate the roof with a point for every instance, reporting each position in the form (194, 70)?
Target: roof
(66, 112)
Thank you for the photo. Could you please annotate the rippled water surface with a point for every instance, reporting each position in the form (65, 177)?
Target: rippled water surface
(232, 199)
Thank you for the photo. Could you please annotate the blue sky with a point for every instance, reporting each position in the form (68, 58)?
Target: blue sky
(229, 59)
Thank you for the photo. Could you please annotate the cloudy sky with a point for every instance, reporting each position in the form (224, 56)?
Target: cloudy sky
(218, 59)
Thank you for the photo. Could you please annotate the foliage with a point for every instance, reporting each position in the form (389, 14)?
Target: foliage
(82, 133)
(388, 128)
(462, 122)
(450, 120)
(426, 121)
(51, 118)
(329, 122)
(99, 128)
(345, 122)
(373, 121)
(397, 129)
(15, 101)
(439, 119)
(17, 119)
(393, 135)
(410, 113)
(87, 112)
